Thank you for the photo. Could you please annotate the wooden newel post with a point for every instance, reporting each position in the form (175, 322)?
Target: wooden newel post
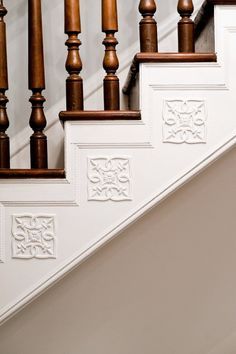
(38, 141)
(111, 63)
(186, 27)
(4, 123)
(74, 83)
(148, 26)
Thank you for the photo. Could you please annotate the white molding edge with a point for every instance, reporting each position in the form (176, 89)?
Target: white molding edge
(2, 234)
(138, 212)
(21, 139)
(137, 145)
(195, 87)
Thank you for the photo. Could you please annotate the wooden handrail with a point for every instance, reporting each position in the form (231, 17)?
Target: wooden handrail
(148, 26)
(111, 84)
(74, 83)
(32, 173)
(186, 27)
(4, 122)
(38, 141)
(100, 115)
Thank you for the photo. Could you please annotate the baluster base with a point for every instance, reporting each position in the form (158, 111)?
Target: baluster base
(4, 151)
(148, 36)
(186, 37)
(38, 151)
(74, 93)
(111, 89)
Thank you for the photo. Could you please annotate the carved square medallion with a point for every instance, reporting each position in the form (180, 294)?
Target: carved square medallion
(33, 236)
(184, 121)
(109, 179)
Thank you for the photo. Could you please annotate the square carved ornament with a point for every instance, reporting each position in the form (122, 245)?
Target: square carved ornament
(33, 236)
(184, 121)
(109, 178)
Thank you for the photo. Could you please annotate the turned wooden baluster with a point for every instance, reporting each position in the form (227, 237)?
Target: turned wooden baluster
(148, 26)
(4, 123)
(74, 83)
(186, 27)
(38, 141)
(111, 84)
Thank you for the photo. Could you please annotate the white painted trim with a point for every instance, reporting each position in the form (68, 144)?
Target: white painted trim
(113, 231)
(136, 145)
(196, 87)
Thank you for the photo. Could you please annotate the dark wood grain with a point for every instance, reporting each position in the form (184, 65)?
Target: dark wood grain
(72, 16)
(100, 115)
(148, 26)
(38, 141)
(4, 122)
(109, 16)
(111, 86)
(186, 41)
(3, 47)
(74, 83)
(174, 57)
(32, 173)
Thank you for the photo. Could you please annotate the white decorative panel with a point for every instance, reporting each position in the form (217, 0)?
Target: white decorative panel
(109, 178)
(33, 236)
(184, 121)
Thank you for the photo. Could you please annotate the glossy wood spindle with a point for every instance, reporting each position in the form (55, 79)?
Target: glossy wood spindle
(186, 27)
(148, 26)
(74, 83)
(4, 123)
(38, 141)
(111, 63)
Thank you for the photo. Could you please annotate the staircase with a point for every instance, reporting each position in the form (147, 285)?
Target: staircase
(118, 163)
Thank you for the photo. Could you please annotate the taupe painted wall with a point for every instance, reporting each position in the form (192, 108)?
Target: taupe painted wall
(167, 285)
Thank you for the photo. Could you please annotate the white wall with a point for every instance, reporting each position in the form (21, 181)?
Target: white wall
(166, 285)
